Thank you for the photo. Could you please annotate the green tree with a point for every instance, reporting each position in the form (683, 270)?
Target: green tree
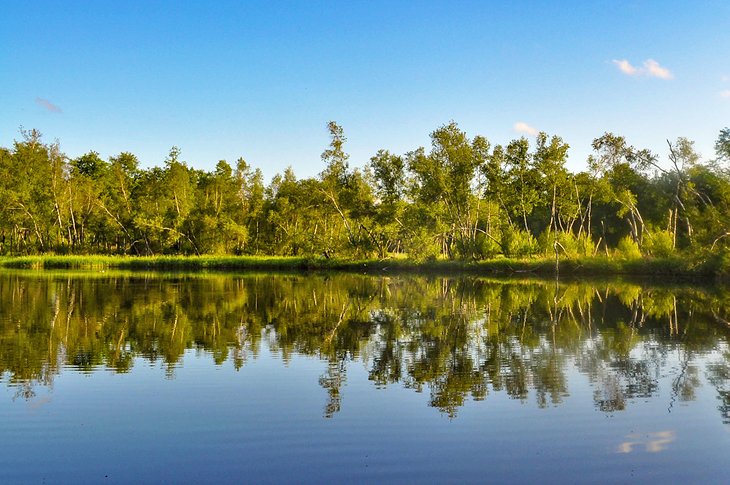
(348, 197)
(722, 145)
(522, 181)
(446, 184)
(389, 178)
(616, 161)
(89, 226)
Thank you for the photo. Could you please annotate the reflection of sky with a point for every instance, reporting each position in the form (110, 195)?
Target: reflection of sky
(210, 422)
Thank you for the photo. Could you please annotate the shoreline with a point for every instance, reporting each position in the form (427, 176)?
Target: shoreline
(545, 267)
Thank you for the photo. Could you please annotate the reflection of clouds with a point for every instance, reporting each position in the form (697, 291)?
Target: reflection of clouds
(652, 442)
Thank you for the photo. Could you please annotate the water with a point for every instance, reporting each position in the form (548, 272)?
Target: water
(121, 377)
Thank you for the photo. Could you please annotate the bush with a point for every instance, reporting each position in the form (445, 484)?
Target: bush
(628, 249)
(586, 245)
(716, 262)
(422, 247)
(482, 247)
(572, 245)
(660, 244)
(488, 248)
(518, 243)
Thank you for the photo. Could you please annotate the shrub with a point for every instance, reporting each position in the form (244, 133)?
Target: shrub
(422, 247)
(660, 244)
(518, 243)
(570, 245)
(481, 247)
(628, 249)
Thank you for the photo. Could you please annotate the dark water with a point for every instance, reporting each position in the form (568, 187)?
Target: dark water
(124, 378)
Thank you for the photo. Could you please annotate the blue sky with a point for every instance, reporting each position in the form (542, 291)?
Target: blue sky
(260, 80)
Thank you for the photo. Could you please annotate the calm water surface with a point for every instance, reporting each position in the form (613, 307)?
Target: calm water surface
(120, 377)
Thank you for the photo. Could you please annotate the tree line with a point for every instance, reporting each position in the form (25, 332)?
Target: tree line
(463, 198)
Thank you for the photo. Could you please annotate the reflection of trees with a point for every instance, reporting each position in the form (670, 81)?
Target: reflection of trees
(332, 381)
(719, 377)
(459, 339)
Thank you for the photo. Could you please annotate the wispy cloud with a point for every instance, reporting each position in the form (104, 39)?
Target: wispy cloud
(626, 67)
(48, 105)
(650, 68)
(524, 128)
(653, 69)
(725, 94)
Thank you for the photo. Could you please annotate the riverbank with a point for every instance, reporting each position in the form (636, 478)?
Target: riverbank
(674, 267)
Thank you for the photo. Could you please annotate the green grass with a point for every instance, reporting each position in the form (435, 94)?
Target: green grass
(500, 266)
(153, 262)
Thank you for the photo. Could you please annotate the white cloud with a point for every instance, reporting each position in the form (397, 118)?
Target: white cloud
(650, 68)
(626, 67)
(653, 69)
(524, 128)
(725, 94)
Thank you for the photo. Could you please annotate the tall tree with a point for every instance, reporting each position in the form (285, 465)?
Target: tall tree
(346, 193)
(523, 180)
(617, 161)
(722, 145)
(389, 179)
(89, 226)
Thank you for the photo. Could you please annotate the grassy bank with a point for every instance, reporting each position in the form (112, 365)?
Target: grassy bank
(502, 266)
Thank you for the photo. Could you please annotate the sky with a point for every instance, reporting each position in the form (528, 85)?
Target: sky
(260, 80)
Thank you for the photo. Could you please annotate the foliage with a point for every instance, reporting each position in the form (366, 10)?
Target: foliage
(660, 244)
(628, 249)
(518, 243)
(461, 199)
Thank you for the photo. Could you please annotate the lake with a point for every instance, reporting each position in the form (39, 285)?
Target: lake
(311, 378)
